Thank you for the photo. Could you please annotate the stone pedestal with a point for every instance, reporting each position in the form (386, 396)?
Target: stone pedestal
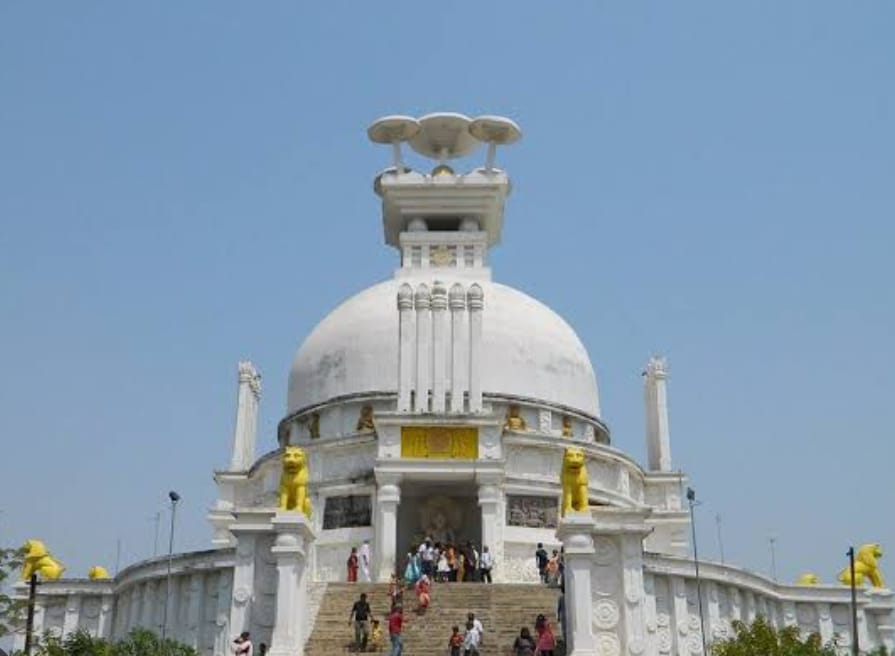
(575, 530)
(388, 496)
(294, 538)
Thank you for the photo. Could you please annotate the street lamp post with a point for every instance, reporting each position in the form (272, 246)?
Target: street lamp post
(854, 603)
(691, 500)
(174, 497)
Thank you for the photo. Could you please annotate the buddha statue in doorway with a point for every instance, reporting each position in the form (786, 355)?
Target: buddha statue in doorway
(440, 519)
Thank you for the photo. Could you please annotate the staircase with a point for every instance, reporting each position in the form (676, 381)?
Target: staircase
(502, 608)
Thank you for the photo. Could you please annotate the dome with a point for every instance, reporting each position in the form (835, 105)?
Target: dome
(528, 351)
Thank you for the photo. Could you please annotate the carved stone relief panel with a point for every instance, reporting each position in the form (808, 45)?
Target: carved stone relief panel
(347, 511)
(532, 511)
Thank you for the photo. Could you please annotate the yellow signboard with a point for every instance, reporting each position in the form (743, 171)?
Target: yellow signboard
(441, 442)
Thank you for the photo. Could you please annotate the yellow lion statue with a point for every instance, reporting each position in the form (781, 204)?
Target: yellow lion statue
(574, 481)
(808, 578)
(866, 566)
(294, 481)
(98, 573)
(38, 560)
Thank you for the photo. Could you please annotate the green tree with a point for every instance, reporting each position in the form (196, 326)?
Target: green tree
(762, 639)
(11, 609)
(139, 642)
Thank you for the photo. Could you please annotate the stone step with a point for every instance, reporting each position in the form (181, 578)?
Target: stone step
(502, 608)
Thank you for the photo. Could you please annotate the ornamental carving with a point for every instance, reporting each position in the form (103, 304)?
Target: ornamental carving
(605, 551)
(606, 614)
(532, 511)
(663, 638)
(606, 580)
(365, 420)
(607, 644)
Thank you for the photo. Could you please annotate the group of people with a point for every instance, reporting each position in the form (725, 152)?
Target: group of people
(368, 635)
(543, 643)
(447, 562)
(360, 562)
(550, 566)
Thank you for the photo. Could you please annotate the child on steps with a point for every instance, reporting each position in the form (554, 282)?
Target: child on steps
(455, 643)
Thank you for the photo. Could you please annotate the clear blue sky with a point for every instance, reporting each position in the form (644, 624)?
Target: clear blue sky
(184, 185)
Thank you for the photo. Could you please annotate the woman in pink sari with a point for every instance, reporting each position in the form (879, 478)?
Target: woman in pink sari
(422, 593)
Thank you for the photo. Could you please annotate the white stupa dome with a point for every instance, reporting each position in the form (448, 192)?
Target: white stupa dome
(528, 352)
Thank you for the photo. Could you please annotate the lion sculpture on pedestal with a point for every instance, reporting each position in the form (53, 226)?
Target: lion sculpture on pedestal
(37, 560)
(574, 481)
(293, 490)
(866, 567)
(98, 573)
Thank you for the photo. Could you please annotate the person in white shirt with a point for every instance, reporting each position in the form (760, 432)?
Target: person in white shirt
(477, 625)
(472, 640)
(486, 562)
(366, 560)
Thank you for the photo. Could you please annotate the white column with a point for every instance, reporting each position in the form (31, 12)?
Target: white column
(291, 547)
(658, 441)
(388, 496)
(104, 622)
(575, 533)
(635, 592)
(422, 303)
(459, 358)
(194, 610)
(680, 624)
(72, 614)
(789, 614)
(246, 429)
(133, 611)
(222, 617)
(491, 502)
(147, 608)
(406, 340)
(825, 622)
(710, 595)
(475, 302)
(243, 582)
(439, 346)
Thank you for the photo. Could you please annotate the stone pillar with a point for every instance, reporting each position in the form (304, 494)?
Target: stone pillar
(634, 591)
(422, 301)
(72, 614)
(681, 622)
(104, 622)
(459, 359)
(388, 496)
(825, 622)
(475, 301)
(222, 617)
(575, 532)
(439, 346)
(658, 441)
(491, 502)
(147, 610)
(133, 616)
(293, 541)
(194, 610)
(406, 340)
(245, 430)
(243, 582)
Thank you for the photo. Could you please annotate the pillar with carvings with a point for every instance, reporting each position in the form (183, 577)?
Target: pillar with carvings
(290, 548)
(575, 532)
(491, 503)
(385, 547)
(243, 582)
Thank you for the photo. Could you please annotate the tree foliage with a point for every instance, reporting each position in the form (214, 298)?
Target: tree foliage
(762, 639)
(11, 609)
(139, 642)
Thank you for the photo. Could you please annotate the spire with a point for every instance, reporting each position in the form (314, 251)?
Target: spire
(658, 441)
(246, 429)
(443, 219)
